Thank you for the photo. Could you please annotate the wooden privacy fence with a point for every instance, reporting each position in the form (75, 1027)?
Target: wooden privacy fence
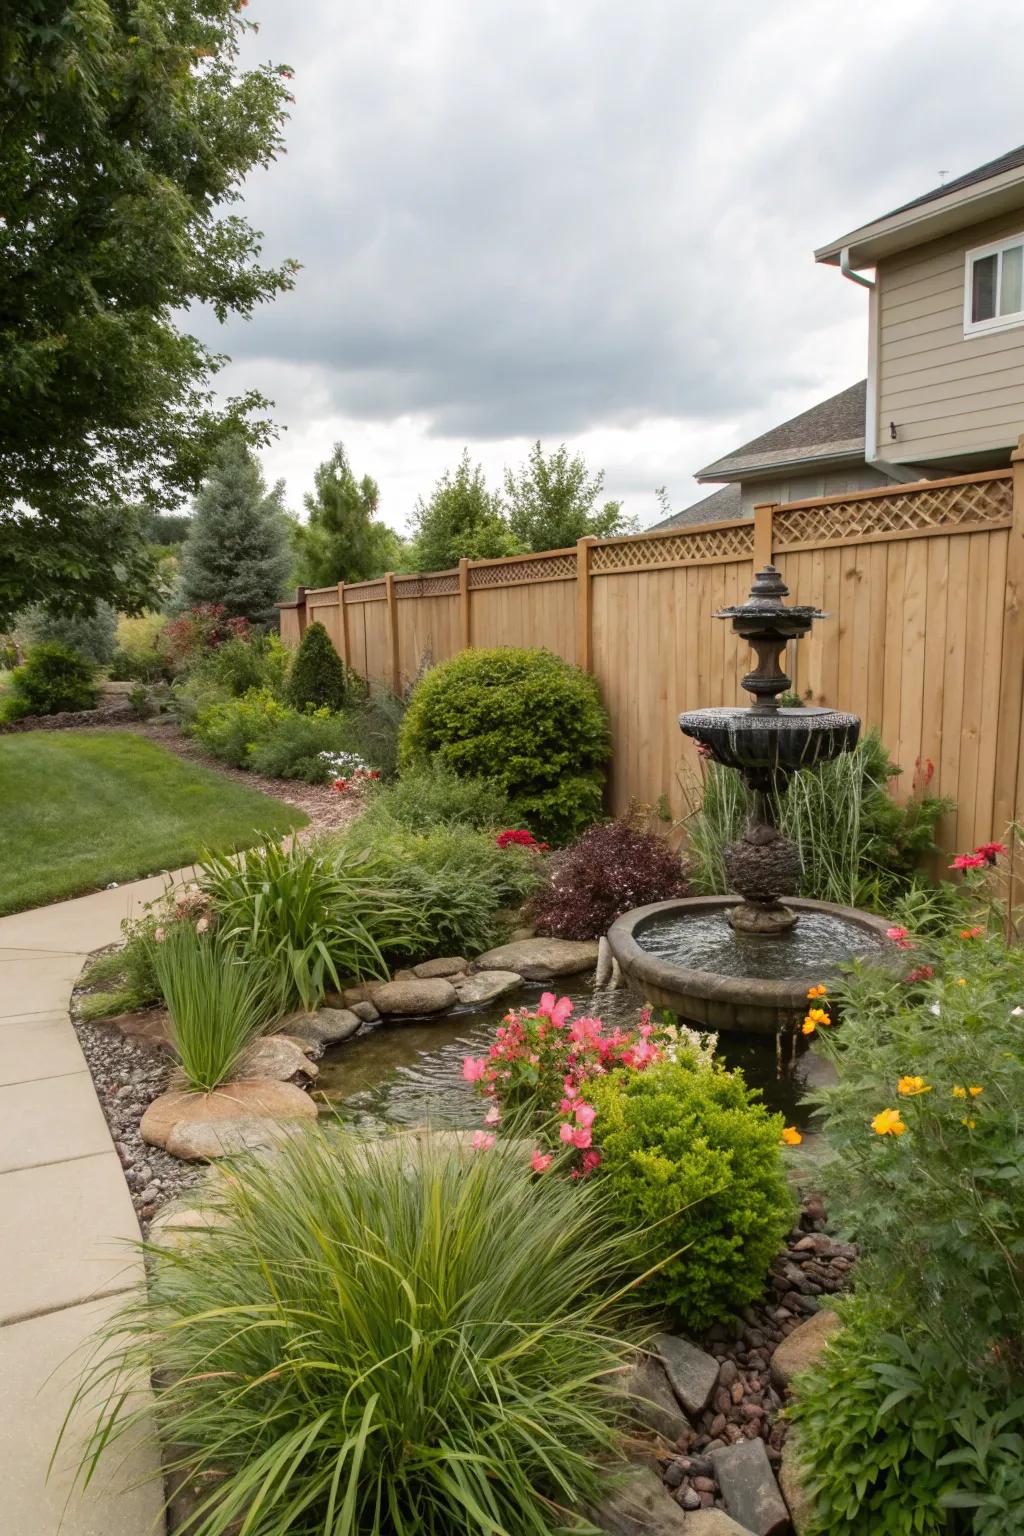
(924, 585)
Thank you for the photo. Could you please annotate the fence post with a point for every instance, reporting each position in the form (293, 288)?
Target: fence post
(300, 609)
(465, 627)
(1011, 692)
(342, 623)
(389, 593)
(584, 636)
(764, 514)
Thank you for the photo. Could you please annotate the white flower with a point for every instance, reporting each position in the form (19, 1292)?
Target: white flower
(202, 925)
(1015, 1013)
(934, 1008)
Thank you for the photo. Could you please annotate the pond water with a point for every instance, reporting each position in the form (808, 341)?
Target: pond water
(706, 941)
(411, 1074)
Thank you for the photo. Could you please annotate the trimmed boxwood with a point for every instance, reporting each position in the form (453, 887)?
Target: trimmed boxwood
(523, 718)
(691, 1162)
(52, 680)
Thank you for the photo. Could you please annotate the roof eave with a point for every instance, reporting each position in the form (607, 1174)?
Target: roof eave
(729, 471)
(900, 231)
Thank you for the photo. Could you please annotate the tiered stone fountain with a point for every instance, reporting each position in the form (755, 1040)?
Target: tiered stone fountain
(745, 961)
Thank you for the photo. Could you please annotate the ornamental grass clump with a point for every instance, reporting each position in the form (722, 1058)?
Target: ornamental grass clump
(384, 1339)
(217, 1003)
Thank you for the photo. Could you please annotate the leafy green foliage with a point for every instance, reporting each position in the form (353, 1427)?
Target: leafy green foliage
(858, 845)
(89, 635)
(612, 868)
(317, 675)
(317, 918)
(217, 1001)
(432, 796)
(692, 1162)
(552, 502)
(51, 680)
(138, 655)
(895, 1440)
(372, 725)
(462, 519)
(938, 1208)
(525, 719)
(343, 539)
(424, 1348)
(258, 732)
(145, 132)
(458, 881)
(124, 979)
(236, 554)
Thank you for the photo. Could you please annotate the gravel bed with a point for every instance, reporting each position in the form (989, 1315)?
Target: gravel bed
(127, 1075)
(745, 1405)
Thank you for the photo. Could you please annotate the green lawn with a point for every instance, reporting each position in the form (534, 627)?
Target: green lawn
(79, 809)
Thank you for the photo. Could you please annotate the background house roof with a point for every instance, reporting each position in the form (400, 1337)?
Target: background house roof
(833, 429)
(1008, 162)
(721, 506)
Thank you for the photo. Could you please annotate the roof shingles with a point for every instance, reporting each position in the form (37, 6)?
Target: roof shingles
(833, 427)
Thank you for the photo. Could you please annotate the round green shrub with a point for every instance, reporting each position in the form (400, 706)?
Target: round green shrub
(52, 679)
(317, 677)
(92, 635)
(690, 1149)
(524, 718)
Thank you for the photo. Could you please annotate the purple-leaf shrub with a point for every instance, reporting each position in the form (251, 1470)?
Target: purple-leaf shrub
(613, 867)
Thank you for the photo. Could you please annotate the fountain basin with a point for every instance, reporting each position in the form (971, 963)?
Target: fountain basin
(788, 739)
(684, 955)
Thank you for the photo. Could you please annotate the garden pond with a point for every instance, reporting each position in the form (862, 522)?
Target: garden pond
(408, 1074)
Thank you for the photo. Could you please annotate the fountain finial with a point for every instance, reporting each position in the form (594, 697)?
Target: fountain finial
(766, 622)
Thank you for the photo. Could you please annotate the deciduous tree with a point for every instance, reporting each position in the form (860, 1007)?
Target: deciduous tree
(462, 519)
(552, 501)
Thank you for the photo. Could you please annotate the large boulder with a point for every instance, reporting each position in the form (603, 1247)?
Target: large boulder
(275, 1056)
(641, 1506)
(414, 996)
(444, 965)
(749, 1488)
(693, 1373)
(652, 1402)
(802, 1347)
(254, 1100)
(792, 1484)
(327, 1026)
(712, 1522)
(485, 986)
(205, 1140)
(541, 959)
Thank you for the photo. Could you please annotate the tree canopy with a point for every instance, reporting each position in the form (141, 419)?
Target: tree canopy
(552, 502)
(343, 540)
(462, 519)
(237, 552)
(127, 128)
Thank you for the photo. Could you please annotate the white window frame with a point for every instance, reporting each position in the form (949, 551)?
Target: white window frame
(998, 322)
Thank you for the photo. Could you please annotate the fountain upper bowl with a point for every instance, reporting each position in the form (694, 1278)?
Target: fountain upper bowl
(786, 739)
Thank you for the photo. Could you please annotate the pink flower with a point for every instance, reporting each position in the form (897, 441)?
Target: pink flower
(591, 1160)
(900, 937)
(540, 1162)
(990, 851)
(473, 1068)
(160, 934)
(482, 1141)
(575, 1136)
(586, 1114)
(558, 1012)
(493, 1116)
(565, 1131)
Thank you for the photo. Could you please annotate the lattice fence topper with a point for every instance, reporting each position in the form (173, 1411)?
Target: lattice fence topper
(544, 568)
(377, 593)
(734, 543)
(981, 503)
(444, 585)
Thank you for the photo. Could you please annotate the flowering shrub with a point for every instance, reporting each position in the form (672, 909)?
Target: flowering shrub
(614, 866)
(520, 838)
(344, 770)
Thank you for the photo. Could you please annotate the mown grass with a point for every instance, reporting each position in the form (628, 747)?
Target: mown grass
(79, 809)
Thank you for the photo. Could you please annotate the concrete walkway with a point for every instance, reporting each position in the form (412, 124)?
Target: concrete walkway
(65, 1219)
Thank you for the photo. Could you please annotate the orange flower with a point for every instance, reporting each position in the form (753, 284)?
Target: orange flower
(818, 991)
(808, 1026)
(975, 1091)
(888, 1123)
(961, 981)
(970, 933)
(791, 1137)
(909, 1086)
(815, 1017)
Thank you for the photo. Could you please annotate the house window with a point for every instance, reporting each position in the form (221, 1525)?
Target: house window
(994, 287)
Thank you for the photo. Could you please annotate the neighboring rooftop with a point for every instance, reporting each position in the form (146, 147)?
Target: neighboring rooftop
(987, 192)
(720, 507)
(831, 431)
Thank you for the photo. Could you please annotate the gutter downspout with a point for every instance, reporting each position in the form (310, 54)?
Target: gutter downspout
(897, 472)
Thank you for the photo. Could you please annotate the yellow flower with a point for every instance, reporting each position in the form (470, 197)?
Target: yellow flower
(961, 981)
(909, 1086)
(975, 1091)
(808, 1026)
(815, 1017)
(970, 1124)
(791, 1137)
(958, 1092)
(888, 1123)
(818, 991)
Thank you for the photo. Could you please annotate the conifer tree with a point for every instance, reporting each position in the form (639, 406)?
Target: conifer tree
(237, 551)
(317, 675)
(344, 540)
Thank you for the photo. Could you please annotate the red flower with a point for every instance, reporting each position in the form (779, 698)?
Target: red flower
(341, 785)
(971, 933)
(990, 851)
(921, 973)
(521, 838)
(970, 861)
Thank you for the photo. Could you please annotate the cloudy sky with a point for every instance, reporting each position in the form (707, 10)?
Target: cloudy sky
(589, 221)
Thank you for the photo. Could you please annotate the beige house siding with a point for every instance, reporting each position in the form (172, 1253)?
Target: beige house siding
(946, 393)
(805, 487)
